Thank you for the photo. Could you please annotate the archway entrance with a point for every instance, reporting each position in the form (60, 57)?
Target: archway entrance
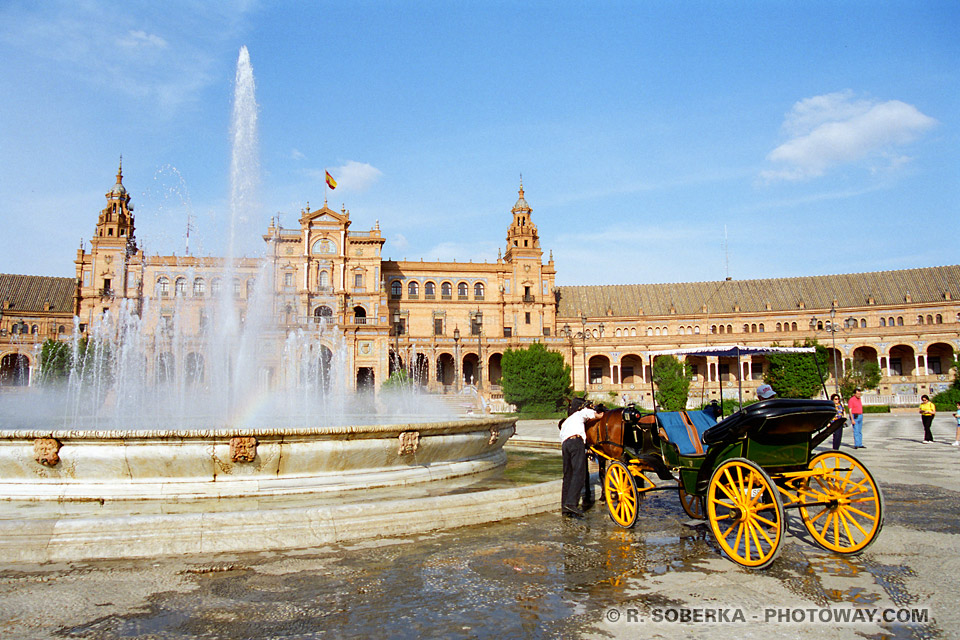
(14, 370)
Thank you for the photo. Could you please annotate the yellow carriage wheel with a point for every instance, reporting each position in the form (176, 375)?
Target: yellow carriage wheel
(692, 504)
(621, 491)
(847, 513)
(745, 513)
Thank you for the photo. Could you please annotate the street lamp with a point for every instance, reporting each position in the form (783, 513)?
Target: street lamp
(456, 356)
(832, 327)
(582, 334)
(396, 340)
(479, 320)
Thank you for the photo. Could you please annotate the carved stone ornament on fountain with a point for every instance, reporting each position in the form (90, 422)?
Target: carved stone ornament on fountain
(243, 449)
(494, 436)
(46, 451)
(409, 442)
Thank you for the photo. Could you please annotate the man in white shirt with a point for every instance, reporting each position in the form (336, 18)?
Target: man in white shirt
(573, 440)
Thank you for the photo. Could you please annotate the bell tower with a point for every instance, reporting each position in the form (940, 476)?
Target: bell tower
(115, 225)
(522, 238)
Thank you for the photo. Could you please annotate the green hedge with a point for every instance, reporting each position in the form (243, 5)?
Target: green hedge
(876, 408)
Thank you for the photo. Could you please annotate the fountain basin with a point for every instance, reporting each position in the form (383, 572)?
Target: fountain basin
(80, 465)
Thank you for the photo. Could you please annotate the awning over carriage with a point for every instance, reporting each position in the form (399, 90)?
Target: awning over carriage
(731, 351)
(728, 351)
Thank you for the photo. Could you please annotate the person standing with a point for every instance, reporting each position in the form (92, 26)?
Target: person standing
(927, 411)
(573, 442)
(956, 416)
(855, 406)
(838, 405)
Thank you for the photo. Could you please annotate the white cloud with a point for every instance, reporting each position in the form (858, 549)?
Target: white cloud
(837, 129)
(352, 176)
(142, 40)
(356, 176)
(399, 242)
(296, 154)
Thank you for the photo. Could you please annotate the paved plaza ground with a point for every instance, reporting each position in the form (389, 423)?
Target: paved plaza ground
(540, 576)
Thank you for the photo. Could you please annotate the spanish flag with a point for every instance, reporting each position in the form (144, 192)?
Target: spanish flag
(330, 181)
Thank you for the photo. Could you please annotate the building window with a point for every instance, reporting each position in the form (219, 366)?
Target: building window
(462, 291)
(237, 290)
(199, 287)
(596, 375)
(396, 290)
(919, 319)
(446, 291)
(478, 291)
(883, 322)
(288, 279)
(413, 290)
(324, 280)
(508, 332)
(163, 286)
(429, 291)
(526, 318)
(358, 282)
(933, 364)
(896, 366)
(180, 287)
(215, 287)
(546, 332)
(760, 328)
(793, 326)
(863, 323)
(939, 319)
(438, 326)
(899, 321)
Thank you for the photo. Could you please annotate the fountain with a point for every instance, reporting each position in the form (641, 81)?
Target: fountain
(145, 457)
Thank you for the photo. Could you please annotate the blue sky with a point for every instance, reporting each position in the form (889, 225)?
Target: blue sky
(822, 136)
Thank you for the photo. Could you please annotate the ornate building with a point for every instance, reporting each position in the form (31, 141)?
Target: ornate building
(449, 323)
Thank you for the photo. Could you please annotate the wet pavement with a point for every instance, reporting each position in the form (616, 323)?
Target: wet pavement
(540, 577)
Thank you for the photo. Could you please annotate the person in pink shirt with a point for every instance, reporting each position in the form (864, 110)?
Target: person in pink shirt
(855, 406)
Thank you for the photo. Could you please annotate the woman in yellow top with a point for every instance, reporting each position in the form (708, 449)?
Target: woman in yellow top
(927, 411)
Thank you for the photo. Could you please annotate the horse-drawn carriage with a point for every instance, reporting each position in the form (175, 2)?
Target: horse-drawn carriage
(742, 473)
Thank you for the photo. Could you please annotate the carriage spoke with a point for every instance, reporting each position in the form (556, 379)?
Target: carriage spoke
(845, 520)
(763, 532)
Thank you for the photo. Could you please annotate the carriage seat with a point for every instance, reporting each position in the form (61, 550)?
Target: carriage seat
(685, 429)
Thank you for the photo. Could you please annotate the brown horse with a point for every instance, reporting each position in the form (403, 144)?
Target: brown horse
(609, 434)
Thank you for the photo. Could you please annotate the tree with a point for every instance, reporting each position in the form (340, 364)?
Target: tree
(795, 375)
(534, 379)
(55, 361)
(398, 380)
(672, 378)
(861, 374)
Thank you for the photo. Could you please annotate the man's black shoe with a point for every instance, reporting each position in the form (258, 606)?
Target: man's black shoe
(573, 512)
(586, 504)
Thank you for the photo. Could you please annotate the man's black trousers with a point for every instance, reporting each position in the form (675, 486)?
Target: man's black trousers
(574, 471)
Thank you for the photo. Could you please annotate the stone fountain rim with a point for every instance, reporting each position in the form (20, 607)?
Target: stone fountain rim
(343, 431)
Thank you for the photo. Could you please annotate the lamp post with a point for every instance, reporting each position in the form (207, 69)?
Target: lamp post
(456, 356)
(479, 318)
(832, 327)
(583, 336)
(396, 339)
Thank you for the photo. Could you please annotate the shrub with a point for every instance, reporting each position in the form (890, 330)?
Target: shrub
(795, 375)
(672, 378)
(947, 400)
(534, 377)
